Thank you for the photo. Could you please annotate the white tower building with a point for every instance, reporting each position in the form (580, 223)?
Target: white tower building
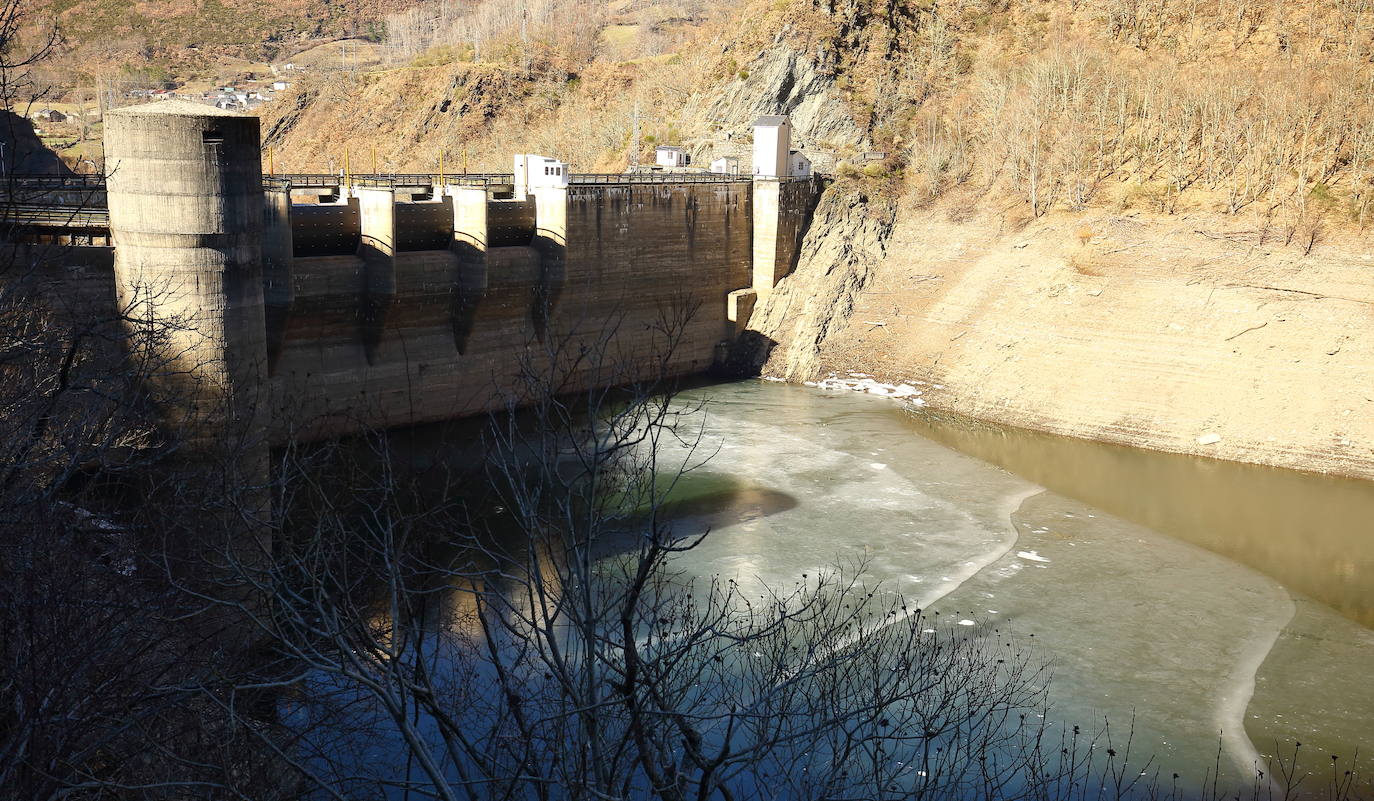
(772, 146)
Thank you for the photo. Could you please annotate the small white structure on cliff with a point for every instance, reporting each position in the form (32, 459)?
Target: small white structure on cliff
(727, 165)
(538, 172)
(799, 166)
(772, 146)
(666, 156)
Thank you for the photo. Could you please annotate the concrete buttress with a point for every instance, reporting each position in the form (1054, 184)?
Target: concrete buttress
(782, 213)
(277, 254)
(377, 250)
(551, 242)
(469, 246)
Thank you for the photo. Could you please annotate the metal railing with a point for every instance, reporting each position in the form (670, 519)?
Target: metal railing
(384, 181)
(40, 215)
(654, 178)
(32, 211)
(328, 181)
(50, 182)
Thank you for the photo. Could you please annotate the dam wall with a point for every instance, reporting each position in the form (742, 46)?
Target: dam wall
(321, 307)
(639, 273)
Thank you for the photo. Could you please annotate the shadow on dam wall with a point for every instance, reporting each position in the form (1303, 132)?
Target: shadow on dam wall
(1309, 531)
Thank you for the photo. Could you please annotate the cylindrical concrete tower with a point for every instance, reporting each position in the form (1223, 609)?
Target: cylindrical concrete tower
(186, 217)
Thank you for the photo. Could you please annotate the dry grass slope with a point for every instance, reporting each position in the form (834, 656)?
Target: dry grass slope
(1235, 106)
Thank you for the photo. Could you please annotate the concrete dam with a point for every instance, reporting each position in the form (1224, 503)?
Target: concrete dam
(316, 306)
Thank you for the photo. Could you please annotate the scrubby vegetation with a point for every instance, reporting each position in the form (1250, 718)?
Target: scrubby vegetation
(106, 40)
(1229, 107)
(1236, 106)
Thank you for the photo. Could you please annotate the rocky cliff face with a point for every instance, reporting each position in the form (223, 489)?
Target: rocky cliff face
(793, 323)
(781, 80)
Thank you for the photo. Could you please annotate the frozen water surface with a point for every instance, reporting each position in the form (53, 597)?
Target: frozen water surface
(1207, 659)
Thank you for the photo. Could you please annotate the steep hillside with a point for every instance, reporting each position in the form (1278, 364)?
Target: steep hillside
(1187, 333)
(557, 87)
(1144, 229)
(1231, 105)
(176, 38)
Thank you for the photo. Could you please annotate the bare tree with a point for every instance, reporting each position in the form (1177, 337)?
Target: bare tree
(540, 641)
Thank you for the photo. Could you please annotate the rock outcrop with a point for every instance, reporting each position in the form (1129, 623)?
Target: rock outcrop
(847, 240)
(782, 80)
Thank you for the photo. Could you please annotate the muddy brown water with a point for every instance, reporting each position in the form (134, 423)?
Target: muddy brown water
(1314, 533)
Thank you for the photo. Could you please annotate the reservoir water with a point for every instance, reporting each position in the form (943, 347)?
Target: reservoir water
(1213, 612)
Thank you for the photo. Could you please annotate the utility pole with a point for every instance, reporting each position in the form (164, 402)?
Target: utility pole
(634, 138)
(525, 39)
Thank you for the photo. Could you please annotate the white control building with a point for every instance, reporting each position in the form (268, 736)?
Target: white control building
(538, 172)
(727, 165)
(668, 156)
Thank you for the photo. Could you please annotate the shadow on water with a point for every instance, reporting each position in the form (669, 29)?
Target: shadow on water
(706, 500)
(1313, 533)
(698, 502)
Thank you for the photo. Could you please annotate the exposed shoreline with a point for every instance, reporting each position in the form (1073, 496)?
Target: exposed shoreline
(1183, 334)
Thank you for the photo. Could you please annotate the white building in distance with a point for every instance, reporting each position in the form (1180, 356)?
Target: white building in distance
(799, 165)
(772, 146)
(727, 165)
(666, 156)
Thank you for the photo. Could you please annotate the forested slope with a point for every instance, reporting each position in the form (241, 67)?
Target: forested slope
(1229, 106)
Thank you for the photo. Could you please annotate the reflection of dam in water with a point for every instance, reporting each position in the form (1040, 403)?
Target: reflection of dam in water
(1097, 560)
